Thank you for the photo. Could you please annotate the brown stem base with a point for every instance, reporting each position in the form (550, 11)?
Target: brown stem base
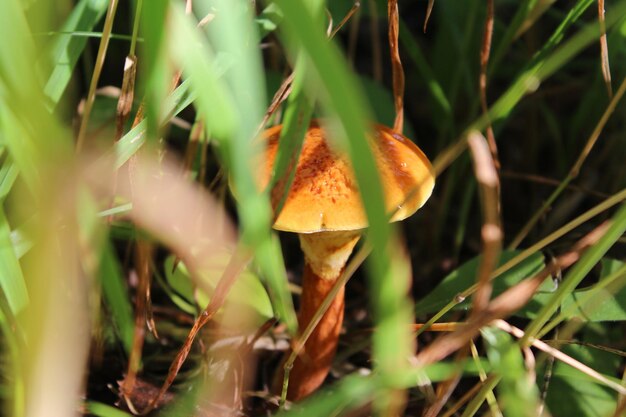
(313, 364)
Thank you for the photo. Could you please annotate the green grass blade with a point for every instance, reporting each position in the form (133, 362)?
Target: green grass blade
(296, 122)
(133, 140)
(155, 68)
(579, 271)
(103, 410)
(224, 92)
(542, 68)
(116, 296)
(8, 175)
(11, 276)
(517, 394)
(505, 41)
(66, 48)
(343, 98)
(443, 109)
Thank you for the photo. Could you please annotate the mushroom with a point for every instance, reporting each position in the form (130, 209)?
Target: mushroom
(324, 207)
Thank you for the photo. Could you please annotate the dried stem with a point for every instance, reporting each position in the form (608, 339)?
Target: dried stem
(604, 50)
(506, 303)
(396, 64)
(487, 177)
(557, 354)
(484, 63)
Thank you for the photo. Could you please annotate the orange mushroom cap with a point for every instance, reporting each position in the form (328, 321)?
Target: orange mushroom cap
(324, 195)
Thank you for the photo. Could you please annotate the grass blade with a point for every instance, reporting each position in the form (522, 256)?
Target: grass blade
(11, 276)
(67, 49)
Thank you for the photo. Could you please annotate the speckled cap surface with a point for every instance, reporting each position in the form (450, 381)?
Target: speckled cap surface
(324, 195)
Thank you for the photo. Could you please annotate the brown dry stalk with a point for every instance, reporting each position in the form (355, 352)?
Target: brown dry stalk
(604, 49)
(142, 301)
(506, 303)
(557, 354)
(125, 101)
(484, 63)
(124, 106)
(355, 7)
(237, 264)
(487, 178)
(429, 11)
(446, 388)
(396, 64)
(469, 394)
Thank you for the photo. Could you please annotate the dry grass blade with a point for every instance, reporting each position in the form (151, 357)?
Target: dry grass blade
(429, 11)
(236, 265)
(491, 232)
(396, 64)
(143, 256)
(484, 63)
(469, 394)
(544, 347)
(604, 49)
(173, 219)
(487, 178)
(355, 7)
(506, 303)
(125, 101)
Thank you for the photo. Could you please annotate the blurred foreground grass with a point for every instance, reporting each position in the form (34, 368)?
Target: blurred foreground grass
(117, 223)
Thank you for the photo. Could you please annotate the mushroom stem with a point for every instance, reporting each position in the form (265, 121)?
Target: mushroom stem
(326, 254)
(311, 367)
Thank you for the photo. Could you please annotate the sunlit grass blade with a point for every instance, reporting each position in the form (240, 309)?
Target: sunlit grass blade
(343, 99)
(219, 100)
(547, 64)
(578, 272)
(517, 393)
(8, 175)
(66, 49)
(134, 139)
(11, 276)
